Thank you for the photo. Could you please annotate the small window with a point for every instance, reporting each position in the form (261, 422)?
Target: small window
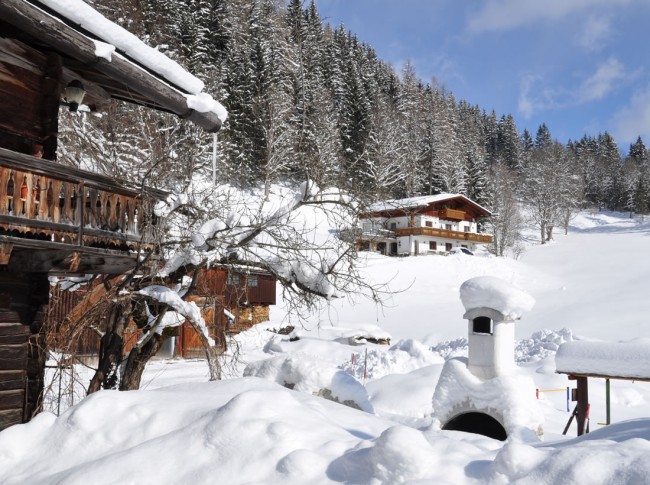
(232, 279)
(482, 325)
(466, 228)
(252, 281)
(448, 246)
(393, 226)
(433, 245)
(428, 223)
(448, 227)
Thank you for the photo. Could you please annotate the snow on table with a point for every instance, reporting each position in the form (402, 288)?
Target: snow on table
(629, 360)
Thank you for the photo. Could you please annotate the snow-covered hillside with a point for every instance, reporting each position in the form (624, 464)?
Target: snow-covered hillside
(591, 284)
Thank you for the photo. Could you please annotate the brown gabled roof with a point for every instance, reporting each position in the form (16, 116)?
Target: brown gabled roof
(418, 204)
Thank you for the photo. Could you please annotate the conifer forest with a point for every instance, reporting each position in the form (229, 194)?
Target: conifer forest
(310, 100)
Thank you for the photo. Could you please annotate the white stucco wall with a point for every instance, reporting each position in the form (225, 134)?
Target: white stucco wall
(492, 355)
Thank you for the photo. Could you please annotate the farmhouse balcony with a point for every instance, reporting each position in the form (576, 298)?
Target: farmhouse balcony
(443, 233)
(54, 207)
(451, 214)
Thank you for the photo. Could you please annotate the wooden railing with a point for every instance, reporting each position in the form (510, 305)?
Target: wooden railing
(444, 233)
(41, 199)
(451, 214)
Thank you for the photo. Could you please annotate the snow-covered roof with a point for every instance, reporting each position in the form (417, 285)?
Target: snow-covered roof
(497, 294)
(628, 360)
(419, 201)
(93, 34)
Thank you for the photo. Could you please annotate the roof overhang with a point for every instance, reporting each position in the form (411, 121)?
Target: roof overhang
(120, 78)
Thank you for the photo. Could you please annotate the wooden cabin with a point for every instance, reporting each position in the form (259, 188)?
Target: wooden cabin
(56, 219)
(231, 300)
(430, 224)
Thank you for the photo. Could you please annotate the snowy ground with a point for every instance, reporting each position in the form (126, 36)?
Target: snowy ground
(591, 284)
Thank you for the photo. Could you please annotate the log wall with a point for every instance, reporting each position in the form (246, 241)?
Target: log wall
(22, 347)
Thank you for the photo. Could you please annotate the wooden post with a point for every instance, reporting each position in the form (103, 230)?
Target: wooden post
(608, 406)
(583, 403)
(81, 201)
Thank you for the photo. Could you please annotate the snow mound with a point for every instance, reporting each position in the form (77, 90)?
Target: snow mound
(305, 374)
(403, 357)
(495, 293)
(541, 344)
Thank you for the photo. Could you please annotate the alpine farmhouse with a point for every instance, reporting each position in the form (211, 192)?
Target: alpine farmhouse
(429, 224)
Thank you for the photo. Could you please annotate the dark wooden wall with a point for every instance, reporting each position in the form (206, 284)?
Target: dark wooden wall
(238, 290)
(23, 299)
(29, 98)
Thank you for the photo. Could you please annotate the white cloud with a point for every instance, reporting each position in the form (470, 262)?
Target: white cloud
(603, 81)
(499, 15)
(595, 33)
(535, 97)
(526, 105)
(634, 119)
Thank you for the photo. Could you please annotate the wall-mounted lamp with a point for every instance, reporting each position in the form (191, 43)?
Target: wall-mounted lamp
(74, 94)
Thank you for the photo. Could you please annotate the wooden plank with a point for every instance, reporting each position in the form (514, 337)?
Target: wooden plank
(13, 399)
(9, 417)
(12, 380)
(13, 357)
(574, 377)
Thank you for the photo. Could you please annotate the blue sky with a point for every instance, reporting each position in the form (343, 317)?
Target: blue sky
(580, 66)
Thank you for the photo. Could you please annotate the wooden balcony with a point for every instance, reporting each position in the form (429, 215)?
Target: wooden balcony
(48, 205)
(451, 214)
(444, 233)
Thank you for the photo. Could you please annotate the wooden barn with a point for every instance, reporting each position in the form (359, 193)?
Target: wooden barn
(55, 219)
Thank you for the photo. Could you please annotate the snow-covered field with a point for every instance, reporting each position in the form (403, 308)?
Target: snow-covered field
(249, 429)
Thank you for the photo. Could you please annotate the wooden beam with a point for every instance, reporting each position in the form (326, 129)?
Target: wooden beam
(5, 253)
(72, 43)
(573, 377)
(583, 404)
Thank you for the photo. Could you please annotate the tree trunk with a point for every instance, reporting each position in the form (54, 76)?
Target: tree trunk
(549, 232)
(111, 345)
(136, 362)
(210, 354)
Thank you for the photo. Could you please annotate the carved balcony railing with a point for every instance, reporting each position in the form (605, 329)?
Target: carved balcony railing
(40, 199)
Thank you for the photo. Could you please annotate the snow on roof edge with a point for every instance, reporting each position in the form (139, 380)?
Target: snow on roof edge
(110, 33)
(418, 201)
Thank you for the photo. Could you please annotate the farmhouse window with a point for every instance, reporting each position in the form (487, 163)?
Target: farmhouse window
(252, 281)
(393, 226)
(447, 246)
(433, 245)
(428, 224)
(232, 279)
(448, 227)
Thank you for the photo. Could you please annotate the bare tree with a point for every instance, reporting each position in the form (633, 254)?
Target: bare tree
(506, 221)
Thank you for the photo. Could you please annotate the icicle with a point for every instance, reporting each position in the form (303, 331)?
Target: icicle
(214, 159)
